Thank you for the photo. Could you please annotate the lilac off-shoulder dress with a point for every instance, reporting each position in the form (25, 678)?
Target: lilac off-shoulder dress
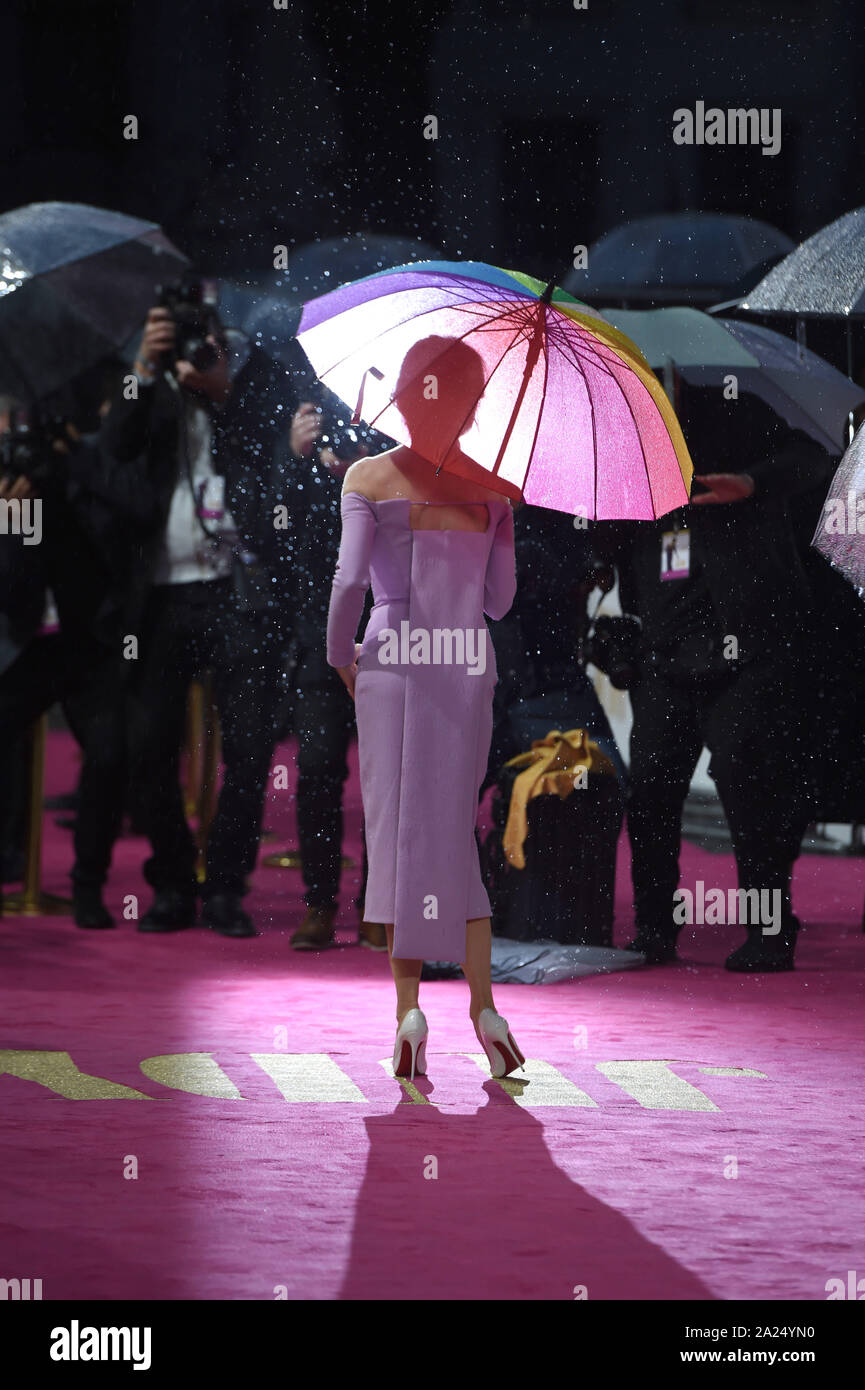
(423, 699)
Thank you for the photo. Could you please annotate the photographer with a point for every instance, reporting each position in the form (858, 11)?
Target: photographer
(196, 447)
(313, 459)
(722, 659)
(53, 461)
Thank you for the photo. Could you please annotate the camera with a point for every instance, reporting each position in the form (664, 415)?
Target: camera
(345, 441)
(27, 446)
(613, 645)
(193, 309)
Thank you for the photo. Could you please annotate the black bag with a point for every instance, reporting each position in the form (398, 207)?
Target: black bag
(565, 892)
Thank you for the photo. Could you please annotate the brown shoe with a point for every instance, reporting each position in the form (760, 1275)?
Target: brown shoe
(315, 932)
(372, 935)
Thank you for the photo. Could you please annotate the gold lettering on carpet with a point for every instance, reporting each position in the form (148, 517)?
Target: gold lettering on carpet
(196, 1073)
(57, 1072)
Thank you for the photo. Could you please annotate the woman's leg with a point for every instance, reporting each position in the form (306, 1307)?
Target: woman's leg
(406, 977)
(476, 966)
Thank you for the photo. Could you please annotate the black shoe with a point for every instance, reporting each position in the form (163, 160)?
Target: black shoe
(172, 910)
(88, 909)
(764, 954)
(658, 950)
(222, 912)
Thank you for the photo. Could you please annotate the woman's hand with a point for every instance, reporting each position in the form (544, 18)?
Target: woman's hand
(348, 674)
(306, 428)
(159, 339)
(723, 487)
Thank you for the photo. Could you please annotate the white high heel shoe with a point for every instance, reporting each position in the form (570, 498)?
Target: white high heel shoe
(499, 1043)
(409, 1053)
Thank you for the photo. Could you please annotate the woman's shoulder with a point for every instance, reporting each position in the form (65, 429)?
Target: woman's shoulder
(494, 495)
(361, 478)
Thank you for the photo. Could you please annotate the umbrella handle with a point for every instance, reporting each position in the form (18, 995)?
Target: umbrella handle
(370, 371)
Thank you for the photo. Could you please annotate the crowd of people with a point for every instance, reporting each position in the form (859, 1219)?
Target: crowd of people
(191, 524)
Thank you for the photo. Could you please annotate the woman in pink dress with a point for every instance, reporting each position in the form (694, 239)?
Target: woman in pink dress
(438, 549)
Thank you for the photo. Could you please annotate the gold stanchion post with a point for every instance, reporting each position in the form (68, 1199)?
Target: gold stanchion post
(31, 901)
(194, 748)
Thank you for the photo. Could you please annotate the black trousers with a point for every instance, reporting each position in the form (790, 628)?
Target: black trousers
(754, 724)
(188, 629)
(324, 724)
(88, 680)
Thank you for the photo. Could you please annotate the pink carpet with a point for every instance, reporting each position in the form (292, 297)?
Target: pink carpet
(685, 1132)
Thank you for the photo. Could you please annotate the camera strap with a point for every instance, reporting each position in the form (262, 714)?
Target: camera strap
(216, 538)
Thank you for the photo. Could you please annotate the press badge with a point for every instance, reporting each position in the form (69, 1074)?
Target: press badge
(675, 555)
(211, 498)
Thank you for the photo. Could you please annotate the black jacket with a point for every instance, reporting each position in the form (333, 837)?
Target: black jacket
(83, 558)
(22, 596)
(747, 551)
(139, 452)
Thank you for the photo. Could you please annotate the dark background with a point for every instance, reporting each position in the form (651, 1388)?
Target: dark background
(260, 126)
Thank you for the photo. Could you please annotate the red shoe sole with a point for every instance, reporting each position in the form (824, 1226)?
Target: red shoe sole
(512, 1060)
(404, 1067)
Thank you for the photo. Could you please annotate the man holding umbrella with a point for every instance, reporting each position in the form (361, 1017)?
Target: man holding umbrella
(722, 660)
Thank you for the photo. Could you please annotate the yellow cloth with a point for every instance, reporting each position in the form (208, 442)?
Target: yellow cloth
(552, 766)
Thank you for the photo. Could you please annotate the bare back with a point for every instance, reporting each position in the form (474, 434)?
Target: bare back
(445, 502)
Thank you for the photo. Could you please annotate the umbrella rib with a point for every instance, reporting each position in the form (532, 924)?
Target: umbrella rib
(410, 316)
(462, 338)
(528, 372)
(518, 333)
(565, 341)
(588, 344)
(540, 411)
(488, 308)
(630, 411)
(594, 451)
(643, 451)
(604, 367)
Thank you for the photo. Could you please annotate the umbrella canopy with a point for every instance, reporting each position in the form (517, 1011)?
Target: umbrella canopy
(273, 324)
(75, 283)
(269, 312)
(238, 302)
(696, 257)
(269, 308)
(321, 266)
(823, 276)
(840, 535)
(685, 336)
(462, 360)
(801, 387)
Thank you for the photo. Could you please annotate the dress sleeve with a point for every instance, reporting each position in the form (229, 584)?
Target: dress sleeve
(351, 578)
(500, 585)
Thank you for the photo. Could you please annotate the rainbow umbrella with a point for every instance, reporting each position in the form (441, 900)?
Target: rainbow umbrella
(569, 413)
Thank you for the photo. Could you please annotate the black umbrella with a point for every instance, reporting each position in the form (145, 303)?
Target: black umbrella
(75, 283)
(692, 258)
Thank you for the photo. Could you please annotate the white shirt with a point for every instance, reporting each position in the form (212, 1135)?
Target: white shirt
(186, 555)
